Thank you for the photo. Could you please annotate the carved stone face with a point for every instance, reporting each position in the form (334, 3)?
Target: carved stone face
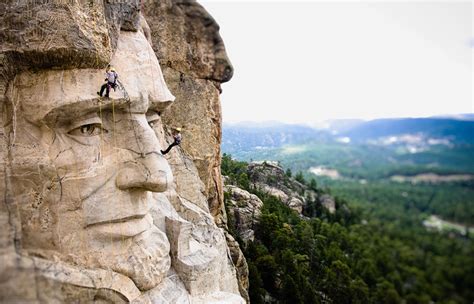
(83, 168)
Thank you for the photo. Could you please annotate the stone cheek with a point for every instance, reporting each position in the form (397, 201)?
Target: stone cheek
(31, 164)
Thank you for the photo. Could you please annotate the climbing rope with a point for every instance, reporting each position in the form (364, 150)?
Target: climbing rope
(122, 89)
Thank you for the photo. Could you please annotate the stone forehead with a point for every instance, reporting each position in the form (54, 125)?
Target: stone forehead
(139, 72)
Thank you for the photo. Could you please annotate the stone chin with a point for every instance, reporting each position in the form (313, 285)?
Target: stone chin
(146, 261)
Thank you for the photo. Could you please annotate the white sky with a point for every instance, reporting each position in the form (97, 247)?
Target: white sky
(311, 61)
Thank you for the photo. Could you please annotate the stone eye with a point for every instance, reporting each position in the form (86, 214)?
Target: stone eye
(152, 123)
(92, 129)
(153, 118)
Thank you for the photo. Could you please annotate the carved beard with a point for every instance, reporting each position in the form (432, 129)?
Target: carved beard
(146, 261)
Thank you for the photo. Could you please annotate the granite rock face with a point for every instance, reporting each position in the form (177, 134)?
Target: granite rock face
(91, 211)
(241, 266)
(186, 40)
(245, 209)
(243, 212)
(192, 55)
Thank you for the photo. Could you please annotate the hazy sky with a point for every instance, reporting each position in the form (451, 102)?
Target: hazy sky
(314, 60)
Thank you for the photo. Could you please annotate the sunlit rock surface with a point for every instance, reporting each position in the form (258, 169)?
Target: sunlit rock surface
(192, 54)
(91, 211)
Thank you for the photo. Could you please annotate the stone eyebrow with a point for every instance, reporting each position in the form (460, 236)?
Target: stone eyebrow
(77, 109)
(159, 106)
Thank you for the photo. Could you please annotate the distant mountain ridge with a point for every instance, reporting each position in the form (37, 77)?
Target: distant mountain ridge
(460, 131)
(247, 136)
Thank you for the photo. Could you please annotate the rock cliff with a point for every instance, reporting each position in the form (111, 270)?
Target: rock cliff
(244, 208)
(269, 177)
(186, 40)
(92, 211)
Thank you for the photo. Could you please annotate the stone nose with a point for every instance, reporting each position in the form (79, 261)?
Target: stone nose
(144, 167)
(148, 172)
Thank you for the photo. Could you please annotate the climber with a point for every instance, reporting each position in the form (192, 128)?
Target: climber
(111, 78)
(177, 141)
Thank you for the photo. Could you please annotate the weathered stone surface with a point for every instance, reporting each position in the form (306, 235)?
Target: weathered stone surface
(270, 178)
(240, 265)
(198, 113)
(245, 209)
(187, 42)
(186, 38)
(91, 211)
(61, 34)
(296, 204)
(56, 33)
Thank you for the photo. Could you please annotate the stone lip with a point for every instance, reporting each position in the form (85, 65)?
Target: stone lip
(122, 228)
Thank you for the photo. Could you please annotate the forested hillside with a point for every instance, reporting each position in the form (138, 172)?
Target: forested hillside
(423, 166)
(358, 254)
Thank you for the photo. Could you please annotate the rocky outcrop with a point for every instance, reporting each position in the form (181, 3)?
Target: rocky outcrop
(244, 210)
(240, 265)
(271, 178)
(328, 202)
(91, 211)
(186, 38)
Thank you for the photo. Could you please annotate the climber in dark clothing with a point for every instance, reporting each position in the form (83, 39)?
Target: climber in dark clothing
(177, 141)
(111, 78)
